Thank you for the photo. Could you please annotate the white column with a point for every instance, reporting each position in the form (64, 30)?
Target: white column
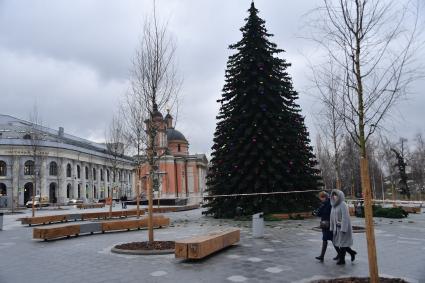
(43, 177)
(74, 181)
(15, 182)
(83, 180)
(62, 182)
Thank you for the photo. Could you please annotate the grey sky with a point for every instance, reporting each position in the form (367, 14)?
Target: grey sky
(73, 57)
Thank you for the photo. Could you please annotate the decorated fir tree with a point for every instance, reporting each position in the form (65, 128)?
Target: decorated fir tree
(261, 143)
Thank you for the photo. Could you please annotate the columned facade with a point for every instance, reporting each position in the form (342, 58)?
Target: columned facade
(58, 169)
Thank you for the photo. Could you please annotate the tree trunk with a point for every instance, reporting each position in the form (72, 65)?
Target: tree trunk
(150, 208)
(364, 175)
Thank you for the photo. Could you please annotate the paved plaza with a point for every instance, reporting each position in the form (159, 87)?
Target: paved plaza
(285, 254)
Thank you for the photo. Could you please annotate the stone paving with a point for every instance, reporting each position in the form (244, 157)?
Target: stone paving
(285, 254)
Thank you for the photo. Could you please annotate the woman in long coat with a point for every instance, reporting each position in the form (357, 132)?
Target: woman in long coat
(324, 212)
(340, 225)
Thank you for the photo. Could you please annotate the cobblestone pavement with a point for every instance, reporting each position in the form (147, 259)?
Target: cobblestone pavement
(286, 254)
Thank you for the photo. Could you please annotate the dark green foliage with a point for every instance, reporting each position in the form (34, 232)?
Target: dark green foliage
(390, 212)
(261, 143)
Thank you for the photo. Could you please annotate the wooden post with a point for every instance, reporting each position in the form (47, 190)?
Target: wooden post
(110, 204)
(33, 196)
(370, 233)
(138, 196)
(150, 207)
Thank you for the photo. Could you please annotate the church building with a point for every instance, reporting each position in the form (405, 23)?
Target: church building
(181, 175)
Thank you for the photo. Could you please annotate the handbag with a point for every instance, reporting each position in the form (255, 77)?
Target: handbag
(325, 224)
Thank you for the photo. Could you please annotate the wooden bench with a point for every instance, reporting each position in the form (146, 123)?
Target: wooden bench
(411, 209)
(165, 209)
(293, 215)
(90, 205)
(49, 219)
(96, 227)
(202, 246)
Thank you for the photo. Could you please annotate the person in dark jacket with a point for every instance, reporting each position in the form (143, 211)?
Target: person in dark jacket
(125, 201)
(324, 212)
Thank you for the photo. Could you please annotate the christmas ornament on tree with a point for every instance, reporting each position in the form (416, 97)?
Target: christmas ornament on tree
(260, 133)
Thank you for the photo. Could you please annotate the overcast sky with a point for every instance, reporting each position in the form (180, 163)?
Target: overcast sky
(72, 58)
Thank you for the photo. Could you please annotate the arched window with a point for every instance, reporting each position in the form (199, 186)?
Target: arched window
(53, 169)
(94, 192)
(79, 191)
(68, 171)
(78, 172)
(3, 168)
(113, 176)
(94, 174)
(27, 137)
(178, 148)
(3, 190)
(87, 173)
(68, 191)
(29, 167)
(107, 175)
(101, 174)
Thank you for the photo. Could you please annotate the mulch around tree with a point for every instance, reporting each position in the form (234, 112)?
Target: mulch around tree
(147, 246)
(360, 280)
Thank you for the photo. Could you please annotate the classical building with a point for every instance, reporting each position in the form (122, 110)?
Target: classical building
(58, 165)
(181, 175)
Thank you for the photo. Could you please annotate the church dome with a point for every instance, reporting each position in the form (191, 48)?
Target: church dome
(174, 135)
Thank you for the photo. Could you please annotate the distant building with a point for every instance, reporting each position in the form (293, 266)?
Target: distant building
(65, 166)
(182, 175)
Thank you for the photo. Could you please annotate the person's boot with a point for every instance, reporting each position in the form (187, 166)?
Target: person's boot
(352, 253)
(337, 253)
(322, 254)
(341, 257)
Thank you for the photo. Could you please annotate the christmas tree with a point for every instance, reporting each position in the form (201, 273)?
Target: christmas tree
(261, 144)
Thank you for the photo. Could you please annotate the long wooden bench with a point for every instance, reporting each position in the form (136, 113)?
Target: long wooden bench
(96, 227)
(202, 246)
(411, 209)
(49, 219)
(165, 209)
(90, 205)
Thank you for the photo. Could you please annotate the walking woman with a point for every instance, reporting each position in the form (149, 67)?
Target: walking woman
(340, 225)
(324, 212)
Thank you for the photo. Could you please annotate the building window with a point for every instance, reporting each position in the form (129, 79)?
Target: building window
(87, 173)
(68, 191)
(3, 168)
(94, 174)
(101, 174)
(29, 167)
(3, 190)
(68, 170)
(27, 137)
(178, 148)
(113, 176)
(107, 175)
(53, 169)
(78, 172)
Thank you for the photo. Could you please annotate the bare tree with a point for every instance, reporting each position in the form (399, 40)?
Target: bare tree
(325, 164)
(373, 48)
(154, 87)
(417, 163)
(328, 84)
(35, 137)
(115, 146)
